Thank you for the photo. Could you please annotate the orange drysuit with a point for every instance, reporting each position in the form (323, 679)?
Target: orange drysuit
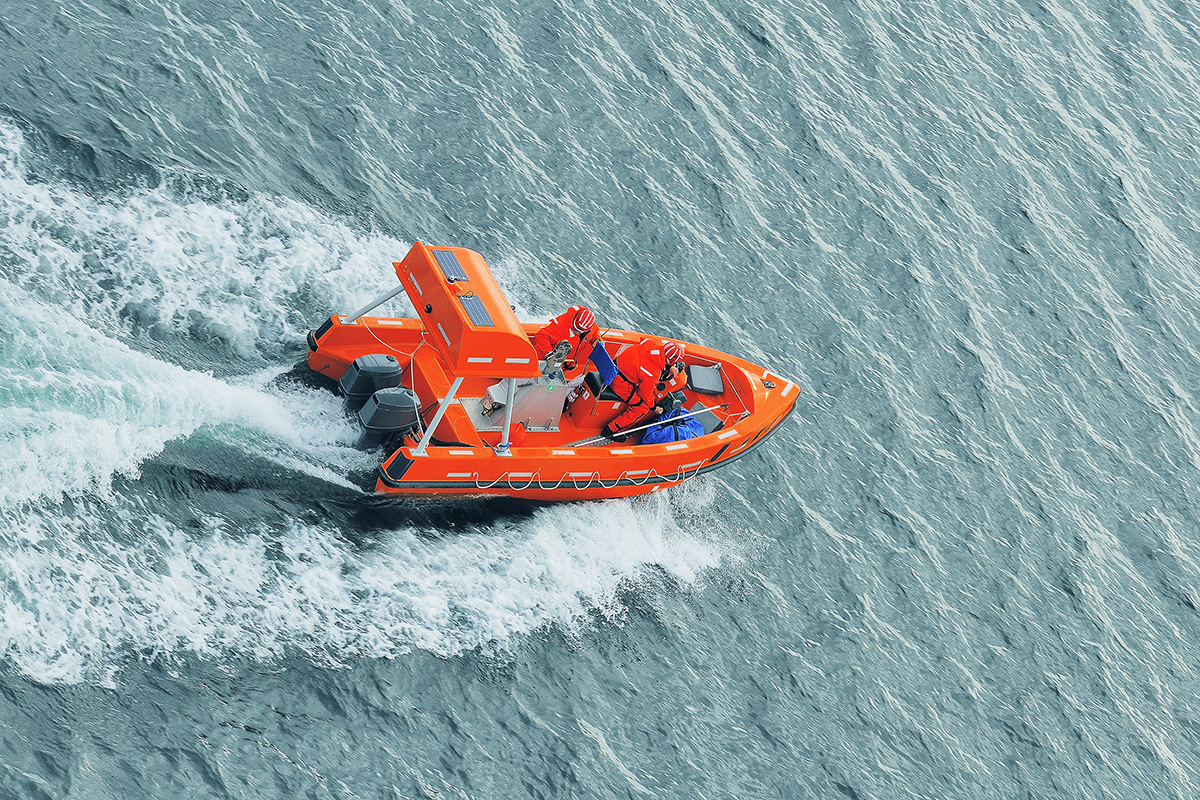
(562, 328)
(638, 371)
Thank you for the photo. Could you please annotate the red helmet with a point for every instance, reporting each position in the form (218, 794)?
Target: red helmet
(672, 352)
(584, 321)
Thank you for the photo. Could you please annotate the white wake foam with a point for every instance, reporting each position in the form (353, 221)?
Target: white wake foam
(254, 274)
(90, 577)
(78, 408)
(76, 603)
(81, 276)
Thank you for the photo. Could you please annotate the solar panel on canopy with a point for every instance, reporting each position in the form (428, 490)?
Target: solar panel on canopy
(449, 263)
(476, 311)
(475, 331)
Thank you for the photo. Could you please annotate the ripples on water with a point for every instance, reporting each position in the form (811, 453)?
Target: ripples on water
(968, 568)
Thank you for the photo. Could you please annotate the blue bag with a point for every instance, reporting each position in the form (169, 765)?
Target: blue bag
(670, 428)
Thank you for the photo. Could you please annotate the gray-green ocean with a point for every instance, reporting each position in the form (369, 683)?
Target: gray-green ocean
(966, 567)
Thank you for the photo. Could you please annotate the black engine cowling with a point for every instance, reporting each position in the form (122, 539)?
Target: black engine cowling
(367, 375)
(387, 417)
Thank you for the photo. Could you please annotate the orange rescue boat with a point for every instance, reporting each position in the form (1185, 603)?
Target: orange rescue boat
(468, 409)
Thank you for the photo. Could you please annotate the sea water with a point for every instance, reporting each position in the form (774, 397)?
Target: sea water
(967, 566)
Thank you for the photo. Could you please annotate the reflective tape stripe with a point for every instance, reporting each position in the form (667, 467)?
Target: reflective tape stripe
(461, 452)
(562, 452)
(516, 361)
(444, 336)
(727, 434)
(479, 361)
(459, 474)
(680, 446)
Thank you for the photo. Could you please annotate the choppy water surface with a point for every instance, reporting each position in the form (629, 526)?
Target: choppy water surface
(967, 567)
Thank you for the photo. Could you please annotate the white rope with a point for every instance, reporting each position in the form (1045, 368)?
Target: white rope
(680, 476)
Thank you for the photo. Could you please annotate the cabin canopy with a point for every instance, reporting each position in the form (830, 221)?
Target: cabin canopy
(466, 313)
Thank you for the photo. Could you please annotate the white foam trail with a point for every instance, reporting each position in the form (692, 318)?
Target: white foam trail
(75, 602)
(254, 274)
(87, 584)
(77, 409)
(80, 275)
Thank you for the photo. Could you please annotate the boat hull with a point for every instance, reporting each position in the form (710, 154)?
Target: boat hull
(570, 462)
(593, 473)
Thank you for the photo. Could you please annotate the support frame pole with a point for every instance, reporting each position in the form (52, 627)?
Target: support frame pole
(383, 298)
(503, 448)
(441, 412)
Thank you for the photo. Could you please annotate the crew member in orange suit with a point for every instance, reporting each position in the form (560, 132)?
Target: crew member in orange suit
(577, 325)
(646, 374)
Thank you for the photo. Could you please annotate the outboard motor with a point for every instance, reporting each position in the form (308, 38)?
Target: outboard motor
(367, 375)
(387, 417)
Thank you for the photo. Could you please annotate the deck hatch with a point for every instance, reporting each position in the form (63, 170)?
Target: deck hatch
(450, 265)
(476, 310)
